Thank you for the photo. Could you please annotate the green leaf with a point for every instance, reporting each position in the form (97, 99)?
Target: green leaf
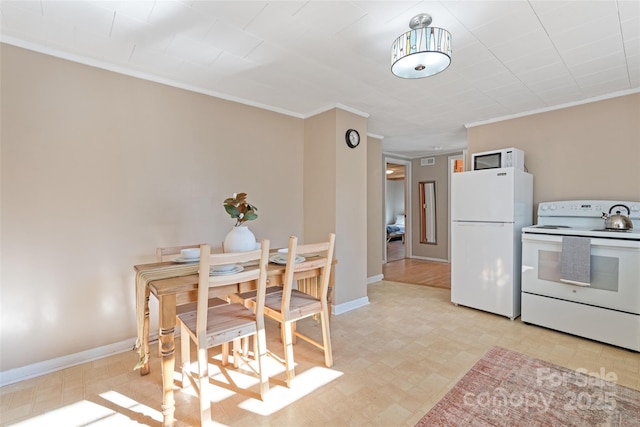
(238, 207)
(232, 210)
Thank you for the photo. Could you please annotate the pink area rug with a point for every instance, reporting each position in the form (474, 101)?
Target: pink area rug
(506, 388)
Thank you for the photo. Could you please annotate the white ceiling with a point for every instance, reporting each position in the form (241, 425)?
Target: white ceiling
(304, 57)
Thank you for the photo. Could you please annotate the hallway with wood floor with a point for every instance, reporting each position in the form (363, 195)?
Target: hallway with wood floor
(418, 272)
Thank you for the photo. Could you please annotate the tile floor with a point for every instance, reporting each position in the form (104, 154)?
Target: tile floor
(394, 359)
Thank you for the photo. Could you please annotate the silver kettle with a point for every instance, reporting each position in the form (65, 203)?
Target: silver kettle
(617, 221)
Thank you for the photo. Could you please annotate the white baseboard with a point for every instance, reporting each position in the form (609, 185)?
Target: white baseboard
(374, 279)
(11, 376)
(431, 259)
(350, 305)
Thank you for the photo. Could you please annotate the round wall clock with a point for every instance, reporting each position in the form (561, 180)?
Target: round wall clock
(353, 138)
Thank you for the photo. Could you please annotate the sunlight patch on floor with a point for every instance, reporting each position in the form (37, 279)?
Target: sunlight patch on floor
(244, 377)
(280, 396)
(82, 413)
(132, 405)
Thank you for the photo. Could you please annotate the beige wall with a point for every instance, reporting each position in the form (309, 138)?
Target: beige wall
(351, 210)
(589, 151)
(335, 177)
(375, 208)
(320, 176)
(97, 170)
(439, 172)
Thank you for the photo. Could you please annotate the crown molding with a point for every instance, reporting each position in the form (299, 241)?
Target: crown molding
(555, 107)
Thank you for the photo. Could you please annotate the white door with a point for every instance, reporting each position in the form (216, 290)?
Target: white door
(482, 259)
(390, 212)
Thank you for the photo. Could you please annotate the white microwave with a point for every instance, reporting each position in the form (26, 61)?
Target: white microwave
(504, 158)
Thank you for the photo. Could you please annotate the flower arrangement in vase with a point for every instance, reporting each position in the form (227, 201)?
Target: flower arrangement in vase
(239, 209)
(240, 238)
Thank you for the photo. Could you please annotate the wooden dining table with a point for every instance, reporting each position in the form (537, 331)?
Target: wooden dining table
(176, 295)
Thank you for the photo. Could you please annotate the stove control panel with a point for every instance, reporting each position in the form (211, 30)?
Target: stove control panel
(587, 208)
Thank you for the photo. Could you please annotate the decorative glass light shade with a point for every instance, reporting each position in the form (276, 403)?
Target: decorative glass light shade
(421, 52)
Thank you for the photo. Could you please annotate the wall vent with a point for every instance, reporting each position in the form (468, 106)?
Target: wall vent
(428, 161)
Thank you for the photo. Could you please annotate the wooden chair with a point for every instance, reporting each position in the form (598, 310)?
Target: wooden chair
(162, 254)
(181, 307)
(287, 305)
(208, 326)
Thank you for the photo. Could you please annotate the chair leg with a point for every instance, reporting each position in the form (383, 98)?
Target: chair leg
(326, 336)
(288, 351)
(256, 353)
(293, 332)
(245, 346)
(237, 349)
(225, 354)
(260, 351)
(185, 354)
(203, 384)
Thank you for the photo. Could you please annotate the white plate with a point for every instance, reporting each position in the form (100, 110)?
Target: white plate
(278, 259)
(236, 269)
(186, 260)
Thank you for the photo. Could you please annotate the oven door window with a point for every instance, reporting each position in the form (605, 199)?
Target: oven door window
(615, 272)
(604, 270)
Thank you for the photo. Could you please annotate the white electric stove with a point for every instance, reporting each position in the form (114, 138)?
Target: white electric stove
(584, 218)
(607, 308)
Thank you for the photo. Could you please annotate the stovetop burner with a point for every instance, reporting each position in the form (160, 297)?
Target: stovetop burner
(615, 230)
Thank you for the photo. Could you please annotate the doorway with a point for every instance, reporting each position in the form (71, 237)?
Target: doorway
(396, 211)
(456, 164)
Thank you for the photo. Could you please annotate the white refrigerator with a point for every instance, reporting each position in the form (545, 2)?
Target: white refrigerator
(488, 210)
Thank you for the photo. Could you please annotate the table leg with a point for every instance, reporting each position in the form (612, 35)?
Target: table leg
(167, 349)
(144, 370)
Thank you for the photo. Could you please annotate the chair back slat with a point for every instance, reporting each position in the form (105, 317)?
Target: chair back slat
(255, 269)
(325, 250)
(163, 252)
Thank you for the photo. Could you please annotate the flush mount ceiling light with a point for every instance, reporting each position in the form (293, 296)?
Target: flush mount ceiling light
(421, 52)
